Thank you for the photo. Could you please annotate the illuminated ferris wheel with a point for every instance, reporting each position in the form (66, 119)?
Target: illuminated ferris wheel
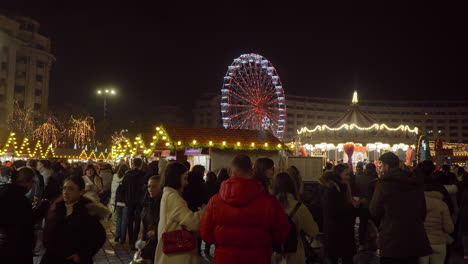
(252, 96)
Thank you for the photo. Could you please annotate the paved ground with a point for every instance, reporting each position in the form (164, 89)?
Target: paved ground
(113, 252)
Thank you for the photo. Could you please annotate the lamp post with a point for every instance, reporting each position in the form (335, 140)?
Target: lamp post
(106, 92)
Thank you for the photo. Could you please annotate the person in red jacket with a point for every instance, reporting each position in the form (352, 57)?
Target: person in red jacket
(242, 220)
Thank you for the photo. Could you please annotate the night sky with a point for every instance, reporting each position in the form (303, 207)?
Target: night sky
(168, 54)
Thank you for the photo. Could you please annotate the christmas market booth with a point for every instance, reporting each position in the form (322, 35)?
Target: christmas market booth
(356, 136)
(214, 148)
(15, 147)
(449, 153)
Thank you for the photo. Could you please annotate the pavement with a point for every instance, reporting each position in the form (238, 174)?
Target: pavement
(114, 252)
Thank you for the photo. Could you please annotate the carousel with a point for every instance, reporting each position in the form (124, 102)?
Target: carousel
(355, 137)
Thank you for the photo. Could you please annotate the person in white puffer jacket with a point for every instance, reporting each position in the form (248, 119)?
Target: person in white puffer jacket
(438, 224)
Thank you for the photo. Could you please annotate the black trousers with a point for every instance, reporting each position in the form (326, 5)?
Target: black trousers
(364, 216)
(334, 260)
(134, 222)
(409, 260)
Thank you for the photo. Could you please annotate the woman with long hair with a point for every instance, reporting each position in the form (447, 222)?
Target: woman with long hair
(264, 171)
(175, 214)
(338, 216)
(118, 203)
(223, 175)
(284, 189)
(73, 233)
(293, 171)
(93, 183)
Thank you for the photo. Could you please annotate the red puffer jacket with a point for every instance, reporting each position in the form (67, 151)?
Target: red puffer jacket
(242, 221)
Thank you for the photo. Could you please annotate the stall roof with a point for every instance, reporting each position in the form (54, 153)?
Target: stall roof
(231, 136)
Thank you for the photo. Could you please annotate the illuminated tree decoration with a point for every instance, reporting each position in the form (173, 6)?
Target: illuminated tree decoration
(48, 133)
(21, 120)
(252, 96)
(82, 131)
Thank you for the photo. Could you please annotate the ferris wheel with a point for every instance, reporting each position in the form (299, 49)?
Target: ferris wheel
(252, 96)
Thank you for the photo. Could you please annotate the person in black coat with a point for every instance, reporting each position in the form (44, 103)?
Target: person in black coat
(399, 205)
(73, 233)
(17, 219)
(150, 218)
(195, 191)
(134, 191)
(338, 216)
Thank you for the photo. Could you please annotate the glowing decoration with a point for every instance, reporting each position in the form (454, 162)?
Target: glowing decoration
(252, 144)
(238, 144)
(47, 132)
(211, 143)
(194, 142)
(179, 143)
(224, 143)
(355, 98)
(21, 120)
(252, 96)
(164, 138)
(279, 145)
(404, 128)
(266, 144)
(82, 130)
(167, 144)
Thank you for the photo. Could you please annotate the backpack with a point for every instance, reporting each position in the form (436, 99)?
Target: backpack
(290, 244)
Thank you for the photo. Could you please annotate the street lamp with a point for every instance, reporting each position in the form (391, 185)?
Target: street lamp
(105, 93)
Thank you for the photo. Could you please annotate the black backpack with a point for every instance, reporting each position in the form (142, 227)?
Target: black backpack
(290, 244)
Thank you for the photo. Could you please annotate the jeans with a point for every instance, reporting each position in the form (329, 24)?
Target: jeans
(408, 260)
(134, 222)
(437, 256)
(121, 230)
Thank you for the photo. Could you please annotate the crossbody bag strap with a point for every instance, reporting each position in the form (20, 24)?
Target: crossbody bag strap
(293, 212)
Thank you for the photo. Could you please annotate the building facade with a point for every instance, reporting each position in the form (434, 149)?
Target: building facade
(25, 64)
(436, 119)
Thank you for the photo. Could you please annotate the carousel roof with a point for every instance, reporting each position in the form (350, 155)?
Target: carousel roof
(354, 116)
(357, 126)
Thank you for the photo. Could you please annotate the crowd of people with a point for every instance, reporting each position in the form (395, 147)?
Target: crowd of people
(250, 213)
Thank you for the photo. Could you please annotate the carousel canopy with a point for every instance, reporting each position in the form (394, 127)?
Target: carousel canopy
(354, 116)
(357, 127)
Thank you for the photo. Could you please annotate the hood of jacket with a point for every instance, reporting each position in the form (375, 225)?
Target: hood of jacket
(84, 203)
(434, 195)
(239, 191)
(96, 209)
(404, 179)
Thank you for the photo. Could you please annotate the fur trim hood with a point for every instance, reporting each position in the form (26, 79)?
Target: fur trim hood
(434, 195)
(96, 209)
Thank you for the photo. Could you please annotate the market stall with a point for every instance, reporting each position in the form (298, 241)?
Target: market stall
(213, 148)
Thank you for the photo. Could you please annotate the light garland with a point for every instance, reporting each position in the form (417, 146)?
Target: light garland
(352, 126)
(370, 146)
(139, 145)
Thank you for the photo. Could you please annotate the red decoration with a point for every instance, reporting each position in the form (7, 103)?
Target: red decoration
(360, 149)
(303, 152)
(409, 156)
(349, 150)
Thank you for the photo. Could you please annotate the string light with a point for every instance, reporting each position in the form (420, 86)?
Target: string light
(82, 131)
(403, 128)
